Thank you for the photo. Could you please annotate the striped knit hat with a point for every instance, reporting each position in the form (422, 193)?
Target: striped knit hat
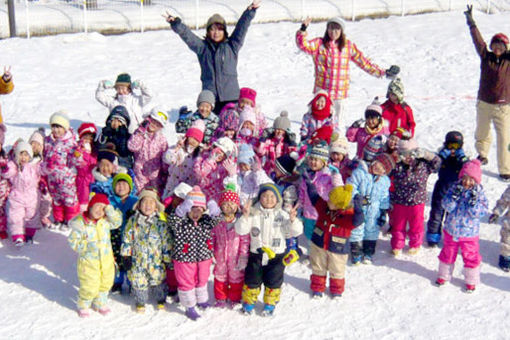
(320, 151)
(387, 161)
(270, 186)
(374, 147)
(197, 197)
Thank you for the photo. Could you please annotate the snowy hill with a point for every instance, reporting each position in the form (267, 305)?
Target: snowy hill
(391, 299)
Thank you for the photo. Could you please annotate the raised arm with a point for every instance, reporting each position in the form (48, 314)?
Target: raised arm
(480, 45)
(237, 37)
(192, 40)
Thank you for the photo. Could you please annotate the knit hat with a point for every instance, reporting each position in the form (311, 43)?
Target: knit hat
(98, 198)
(86, 128)
(501, 37)
(407, 145)
(206, 96)
(269, 186)
(229, 195)
(246, 154)
(159, 115)
(340, 146)
(123, 79)
(323, 133)
(23, 146)
(196, 130)
(397, 88)
(197, 197)
(287, 163)
(374, 109)
(122, 177)
(341, 196)
(472, 169)
(60, 118)
(150, 193)
(216, 19)
(339, 21)
(229, 120)
(37, 136)
(226, 145)
(3, 129)
(181, 190)
(120, 113)
(387, 161)
(282, 122)
(398, 132)
(374, 146)
(108, 154)
(248, 93)
(321, 152)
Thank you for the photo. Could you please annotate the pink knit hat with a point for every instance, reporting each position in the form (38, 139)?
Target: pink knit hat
(197, 197)
(197, 130)
(37, 136)
(248, 93)
(472, 169)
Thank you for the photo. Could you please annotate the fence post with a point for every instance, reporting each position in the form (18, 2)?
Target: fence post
(302, 10)
(12, 18)
(488, 6)
(197, 8)
(85, 23)
(27, 19)
(141, 16)
(402, 5)
(353, 16)
(449, 5)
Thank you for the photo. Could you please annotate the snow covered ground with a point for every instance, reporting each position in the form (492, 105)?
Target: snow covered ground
(391, 299)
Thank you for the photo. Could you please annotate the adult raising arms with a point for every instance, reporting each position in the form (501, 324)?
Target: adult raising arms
(217, 53)
(331, 56)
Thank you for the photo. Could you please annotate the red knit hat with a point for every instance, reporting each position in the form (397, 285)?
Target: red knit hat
(229, 195)
(323, 133)
(387, 161)
(87, 128)
(472, 169)
(196, 130)
(98, 198)
(248, 93)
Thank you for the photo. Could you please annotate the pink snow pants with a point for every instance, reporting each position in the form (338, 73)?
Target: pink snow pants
(192, 275)
(469, 248)
(21, 216)
(400, 215)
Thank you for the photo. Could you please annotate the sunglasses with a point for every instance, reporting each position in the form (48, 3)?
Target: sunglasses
(453, 146)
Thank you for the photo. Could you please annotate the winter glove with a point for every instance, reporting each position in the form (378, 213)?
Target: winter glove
(392, 72)
(334, 169)
(127, 262)
(184, 208)
(214, 209)
(406, 134)
(107, 84)
(381, 220)
(136, 84)
(43, 188)
(109, 211)
(473, 197)
(444, 153)
(457, 192)
(460, 155)
(493, 218)
(358, 123)
(270, 253)
(230, 166)
(291, 257)
(469, 16)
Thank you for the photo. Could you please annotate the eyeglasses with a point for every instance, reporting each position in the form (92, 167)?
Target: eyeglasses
(453, 146)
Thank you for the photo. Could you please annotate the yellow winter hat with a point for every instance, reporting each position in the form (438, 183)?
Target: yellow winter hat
(60, 118)
(341, 196)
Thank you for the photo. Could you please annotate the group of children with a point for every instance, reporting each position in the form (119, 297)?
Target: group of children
(152, 217)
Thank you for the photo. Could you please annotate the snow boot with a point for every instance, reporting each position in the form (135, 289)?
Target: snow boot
(268, 310)
(203, 305)
(192, 313)
(160, 305)
(504, 263)
(470, 288)
(317, 295)
(248, 308)
(140, 308)
(220, 304)
(356, 252)
(84, 313)
(440, 282)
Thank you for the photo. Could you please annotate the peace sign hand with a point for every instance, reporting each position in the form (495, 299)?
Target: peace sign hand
(168, 17)
(7, 74)
(247, 208)
(469, 15)
(307, 21)
(293, 212)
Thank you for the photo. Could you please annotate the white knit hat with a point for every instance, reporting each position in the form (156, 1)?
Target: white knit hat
(21, 146)
(227, 146)
(60, 118)
(159, 115)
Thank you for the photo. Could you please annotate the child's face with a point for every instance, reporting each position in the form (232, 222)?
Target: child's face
(106, 168)
(196, 213)
(498, 48)
(87, 138)
(268, 199)
(372, 122)
(216, 33)
(57, 131)
(97, 211)
(393, 142)
(228, 208)
(122, 89)
(393, 98)
(320, 103)
(23, 158)
(334, 31)
(37, 148)
(376, 168)
(230, 134)
(406, 156)
(249, 125)
(148, 206)
(337, 157)
(245, 101)
(204, 109)
(468, 182)
(115, 123)
(243, 167)
(122, 189)
(191, 143)
(315, 164)
(279, 134)
(154, 126)
(218, 155)
(278, 173)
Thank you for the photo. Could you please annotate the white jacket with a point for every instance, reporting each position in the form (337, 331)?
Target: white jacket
(268, 228)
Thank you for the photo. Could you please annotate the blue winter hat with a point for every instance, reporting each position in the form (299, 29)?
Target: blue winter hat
(246, 154)
(270, 186)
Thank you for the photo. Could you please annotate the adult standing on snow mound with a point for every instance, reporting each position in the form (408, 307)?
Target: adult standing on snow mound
(217, 53)
(331, 56)
(493, 96)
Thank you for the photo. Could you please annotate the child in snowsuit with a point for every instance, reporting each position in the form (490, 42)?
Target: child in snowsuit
(228, 123)
(5, 186)
(181, 158)
(205, 105)
(320, 113)
(396, 112)
(409, 195)
(337, 217)
(248, 97)
(124, 95)
(107, 167)
(193, 249)
(146, 247)
(90, 238)
(23, 218)
(116, 132)
(339, 160)
(85, 159)
(148, 145)
(373, 127)
(371, 182)
(230, 251)
(247, 127)
(502, 205)
(60, 173)
(123, 199)
(268, 226)
(452, 159)
(465, 203)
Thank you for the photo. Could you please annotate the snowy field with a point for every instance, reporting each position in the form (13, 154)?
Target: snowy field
(391, 299)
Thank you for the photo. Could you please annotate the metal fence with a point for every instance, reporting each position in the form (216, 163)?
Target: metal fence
(42, 17)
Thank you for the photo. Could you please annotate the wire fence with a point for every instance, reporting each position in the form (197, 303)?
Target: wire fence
(43, 17)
